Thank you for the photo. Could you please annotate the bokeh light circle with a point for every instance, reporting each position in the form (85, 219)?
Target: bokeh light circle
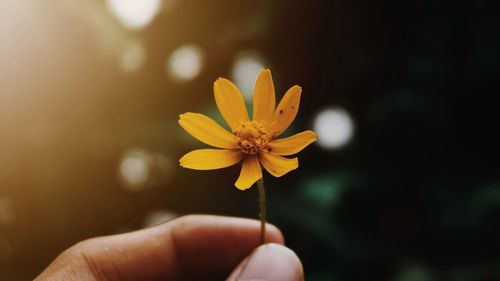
(133, 57)
(134, 14)
(185, 63)
(334, 127)
(158, 216)
(140, 169)
(134, 169)
(246, 67)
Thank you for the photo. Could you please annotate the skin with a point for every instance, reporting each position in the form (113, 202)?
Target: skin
(195, 247)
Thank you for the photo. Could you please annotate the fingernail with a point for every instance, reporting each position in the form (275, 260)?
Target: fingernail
(271, 262)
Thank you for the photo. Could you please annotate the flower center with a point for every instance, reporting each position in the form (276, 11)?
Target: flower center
(251, 137)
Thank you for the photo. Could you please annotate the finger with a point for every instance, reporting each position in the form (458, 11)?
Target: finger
(210, 244)
(187, 248)
(270, 262)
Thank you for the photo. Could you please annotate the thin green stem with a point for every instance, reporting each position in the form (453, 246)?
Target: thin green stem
(262, 210)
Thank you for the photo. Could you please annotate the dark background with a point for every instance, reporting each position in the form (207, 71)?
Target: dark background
(413, 195)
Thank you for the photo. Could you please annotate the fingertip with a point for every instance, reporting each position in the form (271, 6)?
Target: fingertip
(270, 262)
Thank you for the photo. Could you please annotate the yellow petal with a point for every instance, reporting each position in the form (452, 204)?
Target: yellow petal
(286, 111)
(277, 165)
(264, 99)
(230, 103)
(250, 173)
(207, 130)
(210, 159)
(293, 144)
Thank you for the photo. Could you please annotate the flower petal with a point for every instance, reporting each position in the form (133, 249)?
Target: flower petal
(277, 165)
(286, 111)
(210, 159)
(293, 144)
(230, 103)
(250, 173)
(206, 130)
(264, 99)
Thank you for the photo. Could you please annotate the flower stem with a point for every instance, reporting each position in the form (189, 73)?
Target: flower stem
(262, 210)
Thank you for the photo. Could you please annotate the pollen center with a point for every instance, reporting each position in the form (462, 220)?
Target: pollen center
(251, 137)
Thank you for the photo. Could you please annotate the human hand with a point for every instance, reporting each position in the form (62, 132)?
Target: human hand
(195, 247)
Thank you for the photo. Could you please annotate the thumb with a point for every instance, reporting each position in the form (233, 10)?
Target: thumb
(270, 262)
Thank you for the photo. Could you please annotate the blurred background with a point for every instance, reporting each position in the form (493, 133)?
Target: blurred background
(403, 183)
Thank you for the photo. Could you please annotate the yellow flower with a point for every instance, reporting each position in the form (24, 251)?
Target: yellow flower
(255, 142)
